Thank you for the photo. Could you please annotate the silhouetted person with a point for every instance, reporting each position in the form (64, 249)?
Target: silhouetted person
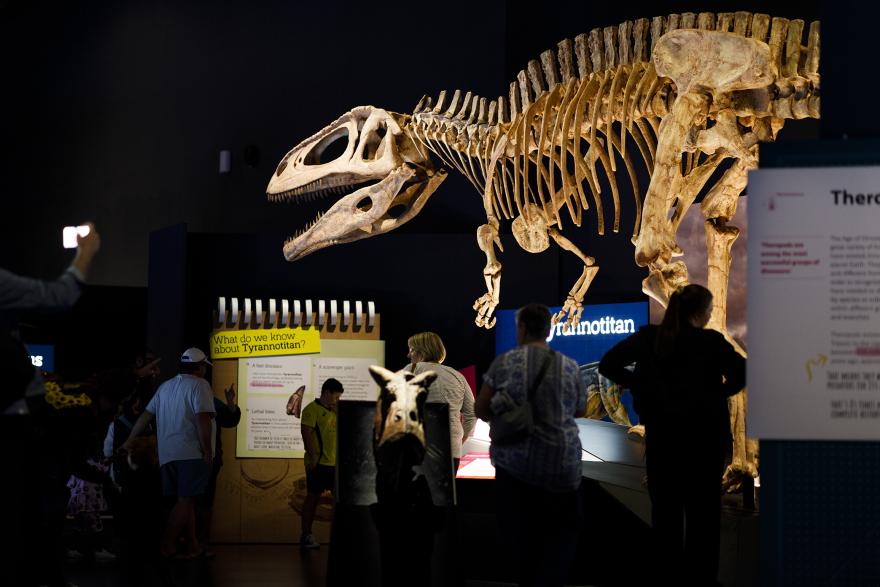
(38, 469)
(536, 477)
(183, 408)
(683, 376)
(228, 415)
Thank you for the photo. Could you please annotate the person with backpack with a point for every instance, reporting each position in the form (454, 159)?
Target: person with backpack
(530, 397)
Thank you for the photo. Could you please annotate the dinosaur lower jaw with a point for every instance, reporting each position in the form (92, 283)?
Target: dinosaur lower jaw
(340, 224)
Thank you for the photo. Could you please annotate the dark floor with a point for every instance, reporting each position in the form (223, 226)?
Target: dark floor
(285, 564)
(257, 565)
(252, 565)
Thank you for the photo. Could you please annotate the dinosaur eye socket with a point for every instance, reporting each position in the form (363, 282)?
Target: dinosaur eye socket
(329, 149)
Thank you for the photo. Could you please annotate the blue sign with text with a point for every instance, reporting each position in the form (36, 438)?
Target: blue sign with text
(42, 356)
(601, 327)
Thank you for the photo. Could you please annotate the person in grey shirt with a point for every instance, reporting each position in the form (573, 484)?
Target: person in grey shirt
(23, 293)
(38, 477)
(427, 353)
(26, 293)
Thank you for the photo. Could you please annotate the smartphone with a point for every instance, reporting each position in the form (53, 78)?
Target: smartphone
(69, 234)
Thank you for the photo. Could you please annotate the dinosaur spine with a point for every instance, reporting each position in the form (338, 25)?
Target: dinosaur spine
(602, 90)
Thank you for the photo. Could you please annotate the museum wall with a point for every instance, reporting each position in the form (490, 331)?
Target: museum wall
(117, 111)
(419, 282)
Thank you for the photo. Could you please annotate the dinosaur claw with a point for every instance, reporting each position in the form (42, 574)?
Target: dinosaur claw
(485, 306)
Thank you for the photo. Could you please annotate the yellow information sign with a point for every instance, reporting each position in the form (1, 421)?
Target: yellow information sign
(233, 344)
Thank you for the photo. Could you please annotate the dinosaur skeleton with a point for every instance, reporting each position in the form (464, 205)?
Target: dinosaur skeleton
(689, 93)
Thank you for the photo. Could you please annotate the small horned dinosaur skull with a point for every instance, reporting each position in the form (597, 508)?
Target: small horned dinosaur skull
(399, 408)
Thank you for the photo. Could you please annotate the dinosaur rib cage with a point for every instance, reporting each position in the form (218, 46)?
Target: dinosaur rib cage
(581, 103)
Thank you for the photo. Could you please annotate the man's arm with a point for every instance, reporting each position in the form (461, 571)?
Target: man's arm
(87, 247)
(203, 424)
(142, 422)
(468, 417)
(108, 440)
(313, 453)
(615, 362)
(20, 293)
(481, 406)
(228, 414)
(580, 410)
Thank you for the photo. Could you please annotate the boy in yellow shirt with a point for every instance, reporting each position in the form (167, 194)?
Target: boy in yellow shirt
(319, 436)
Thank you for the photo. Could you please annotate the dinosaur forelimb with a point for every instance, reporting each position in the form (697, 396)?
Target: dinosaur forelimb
(573, 306)
(487, 239)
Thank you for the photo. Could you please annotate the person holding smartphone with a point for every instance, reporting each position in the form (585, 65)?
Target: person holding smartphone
(40, 494)
(23, 293)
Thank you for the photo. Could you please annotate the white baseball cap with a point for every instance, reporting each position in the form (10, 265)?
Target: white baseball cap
(194, 355)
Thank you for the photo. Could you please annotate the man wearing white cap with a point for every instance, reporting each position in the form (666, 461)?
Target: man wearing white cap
(184, 410)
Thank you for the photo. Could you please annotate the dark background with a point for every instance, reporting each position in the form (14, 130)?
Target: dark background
(117, 111)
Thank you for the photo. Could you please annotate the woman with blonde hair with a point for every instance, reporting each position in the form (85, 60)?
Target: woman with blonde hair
(427, 353)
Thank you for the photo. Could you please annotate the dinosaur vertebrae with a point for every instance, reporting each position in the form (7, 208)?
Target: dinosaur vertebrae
(581, 103)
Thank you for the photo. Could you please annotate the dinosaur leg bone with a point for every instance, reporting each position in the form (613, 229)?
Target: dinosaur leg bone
(656, 239)
(718, 207)
(573, 306)
(487, 239)
(719, 240)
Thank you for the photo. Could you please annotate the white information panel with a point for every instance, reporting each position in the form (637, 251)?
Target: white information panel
(814, 304)
(353, 373)
(267, 384)
(269, 381)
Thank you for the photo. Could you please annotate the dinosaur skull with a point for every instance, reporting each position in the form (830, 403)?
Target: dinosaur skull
(399, 409)
(381, 175)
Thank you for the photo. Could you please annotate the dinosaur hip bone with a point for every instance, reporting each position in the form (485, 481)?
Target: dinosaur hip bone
(715, 61)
